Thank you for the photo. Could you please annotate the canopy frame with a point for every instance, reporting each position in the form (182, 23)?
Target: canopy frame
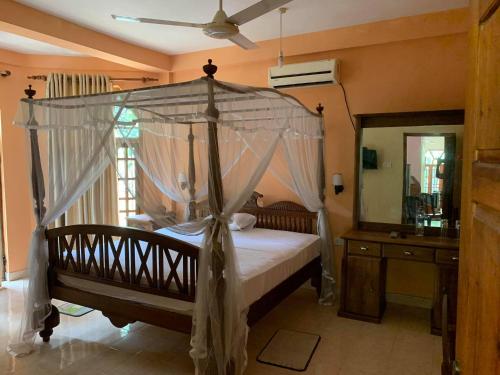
(218, 222)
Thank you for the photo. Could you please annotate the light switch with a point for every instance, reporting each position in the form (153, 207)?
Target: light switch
(387, 164)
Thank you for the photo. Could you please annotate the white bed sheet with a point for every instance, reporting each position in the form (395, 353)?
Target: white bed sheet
(265, 257)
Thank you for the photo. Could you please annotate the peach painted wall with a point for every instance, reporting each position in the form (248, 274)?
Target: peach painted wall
(18, 212)
(411, 75)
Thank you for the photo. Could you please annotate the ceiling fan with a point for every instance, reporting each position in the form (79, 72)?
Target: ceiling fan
(222, 26)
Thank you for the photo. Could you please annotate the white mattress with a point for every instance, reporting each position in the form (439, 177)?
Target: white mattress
(266, 258)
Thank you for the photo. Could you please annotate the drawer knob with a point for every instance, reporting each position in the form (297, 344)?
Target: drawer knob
(408, 253)
(363, 248)
(454, 258)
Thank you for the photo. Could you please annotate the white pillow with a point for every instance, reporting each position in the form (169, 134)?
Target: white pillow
(242, 221)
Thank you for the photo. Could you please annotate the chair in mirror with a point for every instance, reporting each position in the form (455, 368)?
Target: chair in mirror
(409, 171)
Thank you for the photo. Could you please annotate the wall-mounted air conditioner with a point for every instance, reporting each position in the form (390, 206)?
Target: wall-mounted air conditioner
(324, 72)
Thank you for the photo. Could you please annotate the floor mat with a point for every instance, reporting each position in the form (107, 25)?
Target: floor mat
(289, 349)
(72, 309)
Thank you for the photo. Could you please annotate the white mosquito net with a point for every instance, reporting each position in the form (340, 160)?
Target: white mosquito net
(222, 137)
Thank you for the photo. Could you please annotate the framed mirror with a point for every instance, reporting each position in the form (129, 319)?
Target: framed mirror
(407, 165)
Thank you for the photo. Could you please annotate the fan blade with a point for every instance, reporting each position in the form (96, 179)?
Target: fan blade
(256, 10)
(159, 22)
(243, 42)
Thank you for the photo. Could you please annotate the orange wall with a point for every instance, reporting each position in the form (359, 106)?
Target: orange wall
(412, 75)
(18, 212)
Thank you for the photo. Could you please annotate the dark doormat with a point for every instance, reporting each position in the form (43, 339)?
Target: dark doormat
(288, 349)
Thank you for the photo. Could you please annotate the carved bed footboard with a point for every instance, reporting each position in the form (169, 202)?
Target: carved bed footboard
(125, 257)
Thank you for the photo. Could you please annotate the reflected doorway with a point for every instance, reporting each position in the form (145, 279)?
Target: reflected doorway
(428, 177)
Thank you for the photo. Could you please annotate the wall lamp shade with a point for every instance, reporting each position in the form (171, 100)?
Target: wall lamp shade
(338, 183)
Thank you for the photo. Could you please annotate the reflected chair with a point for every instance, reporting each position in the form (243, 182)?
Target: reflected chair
(411, 204)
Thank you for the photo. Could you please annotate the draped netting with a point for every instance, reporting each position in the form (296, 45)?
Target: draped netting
(222, 137)
(55, 189)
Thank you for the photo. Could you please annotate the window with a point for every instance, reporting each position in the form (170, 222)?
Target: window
(126, 165)
(432, 184)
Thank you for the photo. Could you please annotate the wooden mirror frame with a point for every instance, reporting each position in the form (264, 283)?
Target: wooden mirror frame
(397, 119)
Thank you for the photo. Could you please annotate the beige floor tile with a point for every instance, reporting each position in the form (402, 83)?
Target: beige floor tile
(92, 345)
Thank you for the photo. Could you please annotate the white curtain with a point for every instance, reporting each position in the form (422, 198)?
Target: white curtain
(237, 131)
(163, 148)
(99, 205)
(305, 164)
(93, 154)
(162, 155)
(229, 335)
(298, 164)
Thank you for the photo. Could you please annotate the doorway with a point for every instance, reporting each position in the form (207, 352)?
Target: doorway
(428, 170)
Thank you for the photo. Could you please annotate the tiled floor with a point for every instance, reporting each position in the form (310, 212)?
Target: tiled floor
(401, 345)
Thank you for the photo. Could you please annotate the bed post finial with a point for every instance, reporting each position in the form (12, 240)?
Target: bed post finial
(320, 109)
(30, 92)
(210, 69)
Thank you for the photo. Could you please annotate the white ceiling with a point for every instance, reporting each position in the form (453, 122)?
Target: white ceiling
(21, 44)
(303, 16)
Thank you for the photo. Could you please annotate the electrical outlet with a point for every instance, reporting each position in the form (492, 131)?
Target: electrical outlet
(387, 164)
(338, 241)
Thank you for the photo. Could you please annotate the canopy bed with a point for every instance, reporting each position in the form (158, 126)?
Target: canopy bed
(194, 276)
(164, 263)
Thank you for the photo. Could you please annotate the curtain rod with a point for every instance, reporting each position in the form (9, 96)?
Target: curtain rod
(143, 79)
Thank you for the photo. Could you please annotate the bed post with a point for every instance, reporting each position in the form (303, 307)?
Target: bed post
(321, 182)
(316, 279)
(216, 201)
(191, 176)
(37, 184)
(38, 189)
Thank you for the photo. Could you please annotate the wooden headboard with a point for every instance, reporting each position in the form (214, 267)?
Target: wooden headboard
(282, 215)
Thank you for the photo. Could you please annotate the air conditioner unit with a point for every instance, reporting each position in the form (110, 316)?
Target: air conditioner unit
(314, 73)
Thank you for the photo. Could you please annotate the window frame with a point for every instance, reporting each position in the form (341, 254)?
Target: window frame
(129, 143)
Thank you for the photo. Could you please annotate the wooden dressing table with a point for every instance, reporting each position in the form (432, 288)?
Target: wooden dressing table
(395, 170)
(364, 272)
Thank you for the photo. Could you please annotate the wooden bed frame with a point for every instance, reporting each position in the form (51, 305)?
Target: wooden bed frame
(70, 245)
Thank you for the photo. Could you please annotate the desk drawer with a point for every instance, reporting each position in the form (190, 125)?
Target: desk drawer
(364, 248)
(422, 254)
(447, 257)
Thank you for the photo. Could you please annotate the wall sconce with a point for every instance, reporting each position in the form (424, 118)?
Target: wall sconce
(5, 73)
(338, 183)
(182, 180)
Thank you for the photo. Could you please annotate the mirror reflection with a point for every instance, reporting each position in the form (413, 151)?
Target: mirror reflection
(410, 173)
(427, 182)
